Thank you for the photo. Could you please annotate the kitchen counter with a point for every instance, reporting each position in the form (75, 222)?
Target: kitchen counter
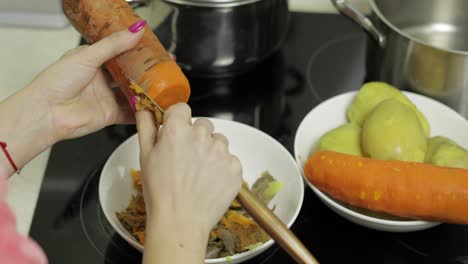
(25, 52)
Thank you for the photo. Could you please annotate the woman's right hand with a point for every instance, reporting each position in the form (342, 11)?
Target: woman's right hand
(189, 180)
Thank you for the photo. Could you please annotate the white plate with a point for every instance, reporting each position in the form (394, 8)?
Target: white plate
(332, 113)
(257, 152)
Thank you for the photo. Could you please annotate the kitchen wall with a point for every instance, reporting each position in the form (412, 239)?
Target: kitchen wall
(46, 6)
(32, 13)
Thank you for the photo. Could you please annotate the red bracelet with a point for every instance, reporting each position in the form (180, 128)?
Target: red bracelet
(3, 145)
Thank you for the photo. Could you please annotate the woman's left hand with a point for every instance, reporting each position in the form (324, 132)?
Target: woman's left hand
(78, 95)
(70, 98)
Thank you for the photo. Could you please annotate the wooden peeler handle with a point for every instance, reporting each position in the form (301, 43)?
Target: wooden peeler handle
(274, 227)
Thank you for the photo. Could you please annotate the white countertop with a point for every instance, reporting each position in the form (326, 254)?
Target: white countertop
(24, 53)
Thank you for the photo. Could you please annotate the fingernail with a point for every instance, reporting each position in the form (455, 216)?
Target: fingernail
(132, 100)
(137, 26)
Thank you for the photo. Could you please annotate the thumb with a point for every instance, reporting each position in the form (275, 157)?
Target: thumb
(112, 45)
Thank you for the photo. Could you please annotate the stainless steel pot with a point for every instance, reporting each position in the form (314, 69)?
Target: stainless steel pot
(220, 37)
(419, 45)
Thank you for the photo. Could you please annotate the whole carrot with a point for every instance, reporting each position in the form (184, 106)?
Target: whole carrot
(406, 189)
(148, 64)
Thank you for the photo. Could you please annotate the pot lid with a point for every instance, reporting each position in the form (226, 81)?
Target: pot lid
(212, 3)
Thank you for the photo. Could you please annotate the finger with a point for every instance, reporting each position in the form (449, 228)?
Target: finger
(147, 131)
(73, 51)
(114, 105)
(236, 167)
(220, 141)
(110, 81)
(203, 126)
(124, 113)
(179, 111)
(109, 47)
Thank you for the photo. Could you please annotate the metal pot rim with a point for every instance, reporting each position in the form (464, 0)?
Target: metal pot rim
(376, 10)
(213, 3)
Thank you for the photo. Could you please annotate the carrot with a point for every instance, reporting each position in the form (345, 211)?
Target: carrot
(140, 236)
(148, 64)
(136, 176)
(246, 230)
(166, 93)
(406, 189)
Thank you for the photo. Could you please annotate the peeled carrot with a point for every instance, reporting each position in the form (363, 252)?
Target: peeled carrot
(148, 64)
(165, 84)
(406, 189)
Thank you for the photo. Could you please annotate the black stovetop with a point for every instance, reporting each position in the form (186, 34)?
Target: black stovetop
(324, 55)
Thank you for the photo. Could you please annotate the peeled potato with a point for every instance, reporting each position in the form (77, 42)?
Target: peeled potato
(373, 93)
(442, 151)
(345, 139)
(392, 131)
(433, 144)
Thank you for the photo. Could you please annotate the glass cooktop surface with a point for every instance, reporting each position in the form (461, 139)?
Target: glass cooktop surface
(324, 55)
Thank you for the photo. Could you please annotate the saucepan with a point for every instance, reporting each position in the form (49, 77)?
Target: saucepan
(218, 37)
(418, 45)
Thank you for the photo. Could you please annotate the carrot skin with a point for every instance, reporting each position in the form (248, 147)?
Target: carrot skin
(406, 189)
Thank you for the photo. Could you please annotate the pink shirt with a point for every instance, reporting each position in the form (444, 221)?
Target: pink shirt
(15, 248)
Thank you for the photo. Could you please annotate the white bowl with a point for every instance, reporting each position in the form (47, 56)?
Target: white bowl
(332, 113)
(257, 152)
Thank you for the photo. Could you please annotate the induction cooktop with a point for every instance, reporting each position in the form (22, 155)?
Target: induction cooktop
(323, 55)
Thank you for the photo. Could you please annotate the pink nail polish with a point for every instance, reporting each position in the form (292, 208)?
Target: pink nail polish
(132, 100)
(137, 26)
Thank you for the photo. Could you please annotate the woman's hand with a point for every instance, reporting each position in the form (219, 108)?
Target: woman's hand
(189, 180)
(77, 91)
(70, 98)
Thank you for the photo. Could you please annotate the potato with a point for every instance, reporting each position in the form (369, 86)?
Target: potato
(392, 131)
(442, 151)
(373, 93)
(433, 144)
(345, 139)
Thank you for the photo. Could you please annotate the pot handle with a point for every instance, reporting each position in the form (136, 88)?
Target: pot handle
(345, 8)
